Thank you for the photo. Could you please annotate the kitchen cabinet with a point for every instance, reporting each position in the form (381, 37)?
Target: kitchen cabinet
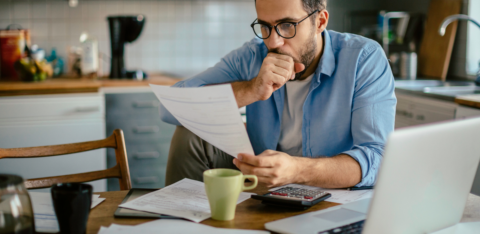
(37, 120)
(414, 110)
(147, 137)
(464, 112)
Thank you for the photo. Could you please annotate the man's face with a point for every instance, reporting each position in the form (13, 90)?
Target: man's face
(302, 47)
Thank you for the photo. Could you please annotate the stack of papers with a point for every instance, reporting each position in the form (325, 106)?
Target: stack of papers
(186, 199)
(173, 227)
(45, 218)
(341, 196)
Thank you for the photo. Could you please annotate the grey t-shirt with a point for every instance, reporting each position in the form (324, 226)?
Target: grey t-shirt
(291, 128)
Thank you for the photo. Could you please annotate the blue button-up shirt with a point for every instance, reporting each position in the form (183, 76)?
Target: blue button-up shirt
(349, 109)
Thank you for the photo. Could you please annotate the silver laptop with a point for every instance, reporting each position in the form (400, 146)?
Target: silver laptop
(422, 187)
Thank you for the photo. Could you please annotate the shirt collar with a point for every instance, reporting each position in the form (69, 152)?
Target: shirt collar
(327, 62)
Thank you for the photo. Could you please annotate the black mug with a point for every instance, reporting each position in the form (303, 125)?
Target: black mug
(72, 202)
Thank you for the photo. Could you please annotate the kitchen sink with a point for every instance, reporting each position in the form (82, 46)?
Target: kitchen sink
(421, 85)
(453, 90)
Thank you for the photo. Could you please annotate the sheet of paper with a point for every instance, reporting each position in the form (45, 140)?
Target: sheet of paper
(44, 214)
(338, 195)
(173, 227)
(209, 112)
(186, 199)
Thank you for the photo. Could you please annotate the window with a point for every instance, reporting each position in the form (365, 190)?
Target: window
(473, 38)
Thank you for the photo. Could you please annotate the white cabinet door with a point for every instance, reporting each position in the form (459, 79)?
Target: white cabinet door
(415, 110)
(52, 128)
(466, 112)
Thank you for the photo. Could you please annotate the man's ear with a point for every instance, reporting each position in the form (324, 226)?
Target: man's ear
(322, 20)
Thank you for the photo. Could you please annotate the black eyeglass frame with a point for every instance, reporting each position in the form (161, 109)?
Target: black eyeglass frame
(276, 27)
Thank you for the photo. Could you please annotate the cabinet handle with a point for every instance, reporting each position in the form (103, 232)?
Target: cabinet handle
(87, 109)
(146, 129)
(420, 117)
(145, 104)
(146, 155)
(146, 180)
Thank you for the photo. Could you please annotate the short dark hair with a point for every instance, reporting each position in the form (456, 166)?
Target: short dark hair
(311, 5)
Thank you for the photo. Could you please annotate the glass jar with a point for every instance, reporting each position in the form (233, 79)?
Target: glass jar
(16, 213)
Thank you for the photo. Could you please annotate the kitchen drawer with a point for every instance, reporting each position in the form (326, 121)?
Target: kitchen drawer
(58, 106)
(132, 106)
(150, 176)
(145, 151)
(143, 130)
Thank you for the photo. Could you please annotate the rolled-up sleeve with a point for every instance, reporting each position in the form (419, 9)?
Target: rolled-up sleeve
(235, 66)
(373, 112)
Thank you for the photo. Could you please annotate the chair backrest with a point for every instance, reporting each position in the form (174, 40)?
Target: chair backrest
(116, 141)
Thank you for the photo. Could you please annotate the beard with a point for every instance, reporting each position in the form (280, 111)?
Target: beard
(307, 55)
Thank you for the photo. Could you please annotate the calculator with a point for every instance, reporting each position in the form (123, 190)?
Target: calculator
(290, 197)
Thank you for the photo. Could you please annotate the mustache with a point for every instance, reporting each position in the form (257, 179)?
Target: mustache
(277, 51)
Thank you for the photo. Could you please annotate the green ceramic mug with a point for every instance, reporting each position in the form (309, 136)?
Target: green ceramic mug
(223, 187)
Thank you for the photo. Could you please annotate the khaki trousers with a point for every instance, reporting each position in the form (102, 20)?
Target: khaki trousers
(190, 156)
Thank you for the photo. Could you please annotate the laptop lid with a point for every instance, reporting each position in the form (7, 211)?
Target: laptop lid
(425, 178)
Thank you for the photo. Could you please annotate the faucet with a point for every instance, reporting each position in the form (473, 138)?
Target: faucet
(452, 18)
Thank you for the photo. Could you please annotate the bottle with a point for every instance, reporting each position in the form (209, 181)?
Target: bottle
(89, 58)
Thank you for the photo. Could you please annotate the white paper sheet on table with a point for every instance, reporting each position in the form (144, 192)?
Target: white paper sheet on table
(186, 199)
(173, 227)
(338, 195)
(209, 112)
(44, 214)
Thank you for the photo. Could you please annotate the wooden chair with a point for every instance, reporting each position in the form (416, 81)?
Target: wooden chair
(116, 141)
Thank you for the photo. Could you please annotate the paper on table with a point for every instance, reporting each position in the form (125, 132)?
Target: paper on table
(186, 199)
(44, 214)
(173, 227)
(338, 195)
(209, 112)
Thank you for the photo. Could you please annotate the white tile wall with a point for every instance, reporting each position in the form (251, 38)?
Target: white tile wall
(183, 37)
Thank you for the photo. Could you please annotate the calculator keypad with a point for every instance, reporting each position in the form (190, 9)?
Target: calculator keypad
(297, 194)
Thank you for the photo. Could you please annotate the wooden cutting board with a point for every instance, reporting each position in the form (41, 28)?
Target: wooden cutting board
(435, 50)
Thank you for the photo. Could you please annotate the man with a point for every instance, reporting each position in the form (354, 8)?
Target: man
(320, 104)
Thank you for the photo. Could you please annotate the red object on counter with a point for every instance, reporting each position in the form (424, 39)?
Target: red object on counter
(12, 46)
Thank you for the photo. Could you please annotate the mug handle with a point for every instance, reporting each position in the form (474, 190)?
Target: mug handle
(255, 182)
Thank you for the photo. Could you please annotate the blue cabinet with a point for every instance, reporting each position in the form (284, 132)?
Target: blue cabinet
(147, 138)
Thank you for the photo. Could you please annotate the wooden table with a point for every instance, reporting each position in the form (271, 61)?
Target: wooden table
(250, 214)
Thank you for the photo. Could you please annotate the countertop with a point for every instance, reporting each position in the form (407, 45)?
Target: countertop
(76, 85)
(469, 100)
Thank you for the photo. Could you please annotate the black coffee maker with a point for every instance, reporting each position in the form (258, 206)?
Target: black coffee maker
(124, 29)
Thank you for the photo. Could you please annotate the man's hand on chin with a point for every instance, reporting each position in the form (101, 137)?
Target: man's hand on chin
(272, 168)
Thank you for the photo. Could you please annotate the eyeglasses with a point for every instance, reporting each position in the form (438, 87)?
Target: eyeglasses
(286, 30)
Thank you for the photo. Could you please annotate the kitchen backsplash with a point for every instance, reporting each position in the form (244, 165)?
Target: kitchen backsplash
(181, 37)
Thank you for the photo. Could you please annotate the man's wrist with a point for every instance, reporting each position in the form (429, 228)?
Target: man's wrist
(301, 168)
(244, 93)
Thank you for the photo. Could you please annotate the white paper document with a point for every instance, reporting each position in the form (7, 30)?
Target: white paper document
(186, 199)
(44, 214)
(338, 195)
(209, 112)
(173, 227)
